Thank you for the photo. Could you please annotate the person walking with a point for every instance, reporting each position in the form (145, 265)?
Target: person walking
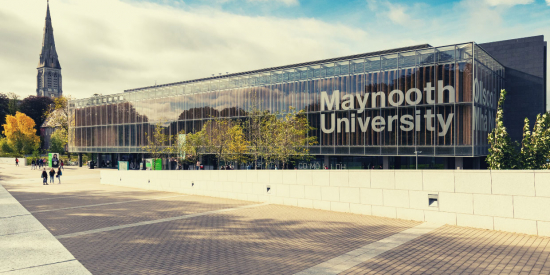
(44, 177)
(52, 173)
(39, 163)
(61, 165)
(32, 164)
(16, 162)
(59, 174)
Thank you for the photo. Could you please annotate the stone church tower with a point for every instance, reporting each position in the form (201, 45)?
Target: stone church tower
(49, 70)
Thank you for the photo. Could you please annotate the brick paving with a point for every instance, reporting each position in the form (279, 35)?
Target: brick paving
(82, 219)
(267, 239)
(264, 240)
(459, 250)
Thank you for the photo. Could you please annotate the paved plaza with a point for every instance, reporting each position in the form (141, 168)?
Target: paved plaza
(119, 230)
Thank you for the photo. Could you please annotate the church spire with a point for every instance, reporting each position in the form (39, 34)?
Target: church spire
(48, 79)
(48, 12)
(48, 56)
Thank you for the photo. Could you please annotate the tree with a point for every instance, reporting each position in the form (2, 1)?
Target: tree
(58, 112)
(57, 116)
(535, 145)
(534, 149)
(13, 104)
(291, 137)
(238, 145)
(525, 157)
(193, 146)
(541, 142)
(502, 153)
(20, 133)
(258, 128)
(4, 108)
(158, 143)
(58, 141)
(5, 148)
(220, 137)
(36, 107)
(269, 134)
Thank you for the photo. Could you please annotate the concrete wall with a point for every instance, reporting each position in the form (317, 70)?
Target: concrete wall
(22, 161)
(514, 201)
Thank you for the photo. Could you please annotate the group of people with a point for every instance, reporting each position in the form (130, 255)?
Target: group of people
(39, 163)
(52, 175)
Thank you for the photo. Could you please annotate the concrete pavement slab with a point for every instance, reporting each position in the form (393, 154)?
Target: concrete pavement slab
(25, 243)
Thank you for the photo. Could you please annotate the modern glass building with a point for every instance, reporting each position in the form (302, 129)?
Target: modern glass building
(378, 109)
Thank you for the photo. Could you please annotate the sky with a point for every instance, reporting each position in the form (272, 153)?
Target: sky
(108, 46)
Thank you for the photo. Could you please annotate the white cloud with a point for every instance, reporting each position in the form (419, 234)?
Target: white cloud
(107, 46)
(285, 2)
(398, 15)
(548, 2)
(510, 2)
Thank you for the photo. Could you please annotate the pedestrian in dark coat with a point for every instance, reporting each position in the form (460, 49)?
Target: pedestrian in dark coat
(52, 174)
(59, 174)
(44, 177)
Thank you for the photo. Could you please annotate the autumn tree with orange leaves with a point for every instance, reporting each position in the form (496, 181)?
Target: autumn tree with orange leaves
(20, 134)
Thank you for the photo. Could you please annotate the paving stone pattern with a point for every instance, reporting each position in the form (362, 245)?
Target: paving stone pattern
(459, 250)
(264, 240)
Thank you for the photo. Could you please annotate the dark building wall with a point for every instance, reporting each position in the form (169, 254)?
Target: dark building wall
(525, 62)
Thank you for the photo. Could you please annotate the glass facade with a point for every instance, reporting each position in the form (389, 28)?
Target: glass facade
(441, 101)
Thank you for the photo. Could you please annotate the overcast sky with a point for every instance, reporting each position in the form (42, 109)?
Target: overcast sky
(107, 46)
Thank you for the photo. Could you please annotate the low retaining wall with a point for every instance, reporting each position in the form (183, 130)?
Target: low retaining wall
(22, 161)
(513, 201)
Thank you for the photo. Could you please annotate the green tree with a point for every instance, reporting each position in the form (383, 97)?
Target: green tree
(158, 144)
(219, 138)
(5, 147)
(257, 129)
(13, 104)
(193, 146)
(502, 153)
(4, 108)
(58, 141)
(269, 135)
(525, 157)
(238, 145)
(541, 143)
(58, 112)
(535, 145)
(291, 137)
(57, 116)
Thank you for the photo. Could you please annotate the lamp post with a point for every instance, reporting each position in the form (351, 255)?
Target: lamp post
(416, 154)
